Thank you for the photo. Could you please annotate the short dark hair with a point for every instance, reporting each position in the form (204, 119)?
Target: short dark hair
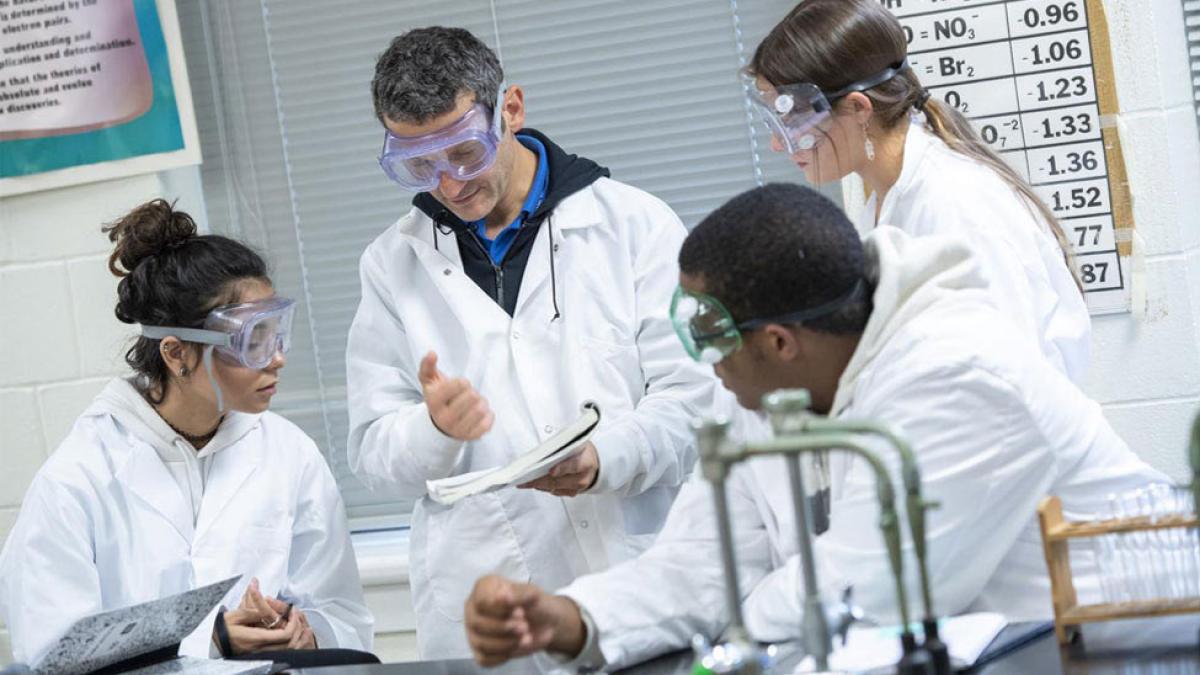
(779, 249)
(171, 276)
(423, 72)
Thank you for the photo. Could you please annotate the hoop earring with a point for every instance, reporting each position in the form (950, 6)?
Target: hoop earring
(869, 146)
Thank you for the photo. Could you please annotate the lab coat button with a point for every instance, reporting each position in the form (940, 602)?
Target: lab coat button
(516, 335)
(548, 429)
(446, 271)
(583, 524)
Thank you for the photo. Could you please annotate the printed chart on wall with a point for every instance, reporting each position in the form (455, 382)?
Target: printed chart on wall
(1036, 79)
(91, 90)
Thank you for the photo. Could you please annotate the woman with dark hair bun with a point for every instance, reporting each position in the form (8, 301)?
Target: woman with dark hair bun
(178, 476)
(835, 87)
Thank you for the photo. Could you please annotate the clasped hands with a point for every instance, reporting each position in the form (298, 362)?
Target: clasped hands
(507, 620)
(263, 624)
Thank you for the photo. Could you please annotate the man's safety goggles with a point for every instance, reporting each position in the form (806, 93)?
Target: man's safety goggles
(709, 332)
(249, 334)
(461, 151)
(793, 111)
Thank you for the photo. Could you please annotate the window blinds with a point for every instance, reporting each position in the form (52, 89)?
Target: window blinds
(1191, 21)
(650, 89)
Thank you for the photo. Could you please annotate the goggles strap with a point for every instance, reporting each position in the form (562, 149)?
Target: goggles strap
(497, 115)
(212, 380)
(208, 338)
(807, 314)
(869, 83)
(204, 337)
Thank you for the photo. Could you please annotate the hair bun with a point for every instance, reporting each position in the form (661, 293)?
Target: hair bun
(146, 231)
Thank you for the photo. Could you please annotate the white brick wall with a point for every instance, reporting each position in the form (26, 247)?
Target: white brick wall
(59, 340)
(37, 296)
(1147, 372)
(23, 442)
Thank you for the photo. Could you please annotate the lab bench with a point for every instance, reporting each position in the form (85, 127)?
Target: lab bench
(1143, 647)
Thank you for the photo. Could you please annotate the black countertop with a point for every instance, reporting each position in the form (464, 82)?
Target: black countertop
(1145, 647)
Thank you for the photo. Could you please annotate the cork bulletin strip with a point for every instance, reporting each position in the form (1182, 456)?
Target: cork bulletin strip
(1036, 79)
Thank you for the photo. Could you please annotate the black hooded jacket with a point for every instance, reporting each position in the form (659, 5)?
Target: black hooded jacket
(568, 174)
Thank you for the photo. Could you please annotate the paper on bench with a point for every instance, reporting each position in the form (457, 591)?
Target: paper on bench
(871, 650)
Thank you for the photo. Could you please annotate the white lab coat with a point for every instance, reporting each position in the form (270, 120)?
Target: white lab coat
(941, 191)
(615, 253)
(994, 426)
(105, 525)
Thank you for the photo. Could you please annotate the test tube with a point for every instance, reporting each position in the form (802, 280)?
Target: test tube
(1104, 569)
(1153, 545)
(1120, 578)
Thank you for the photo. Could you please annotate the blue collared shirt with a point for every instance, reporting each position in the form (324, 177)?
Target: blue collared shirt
(498, 247)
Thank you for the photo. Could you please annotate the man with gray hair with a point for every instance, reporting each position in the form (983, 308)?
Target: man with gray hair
(523, 283)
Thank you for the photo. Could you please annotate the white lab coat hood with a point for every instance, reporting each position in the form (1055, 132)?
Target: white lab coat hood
(188, 466)
(107, 524)
(994, 426)
(910, 276)
(121, 400)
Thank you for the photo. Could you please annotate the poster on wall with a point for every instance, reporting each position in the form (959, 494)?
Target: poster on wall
(1036, 79)
(91, 90)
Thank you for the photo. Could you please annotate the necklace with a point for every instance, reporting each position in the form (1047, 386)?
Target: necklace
(196, 441)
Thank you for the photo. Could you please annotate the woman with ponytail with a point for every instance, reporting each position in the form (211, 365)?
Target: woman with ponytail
(177, 476)
(836, 89)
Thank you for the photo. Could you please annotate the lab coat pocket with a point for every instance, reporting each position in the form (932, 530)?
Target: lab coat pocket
(263, 552)
(268, 537)
(618, 380)
(472, 539)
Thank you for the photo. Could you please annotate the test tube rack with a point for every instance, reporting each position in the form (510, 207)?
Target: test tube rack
(1069, 615)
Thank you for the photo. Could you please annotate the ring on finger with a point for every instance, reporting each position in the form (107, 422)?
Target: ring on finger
(271, 624)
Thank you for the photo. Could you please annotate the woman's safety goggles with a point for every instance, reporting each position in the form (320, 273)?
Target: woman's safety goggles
(461, 151)
(793, 111)
(709, 332)
(249, 334)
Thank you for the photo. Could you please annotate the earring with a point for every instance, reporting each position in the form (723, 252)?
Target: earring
(869, 146)
(183, 371)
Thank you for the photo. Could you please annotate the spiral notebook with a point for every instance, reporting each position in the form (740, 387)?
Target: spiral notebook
(532, 465)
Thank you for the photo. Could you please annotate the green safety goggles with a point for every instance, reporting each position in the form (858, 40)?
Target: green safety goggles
(709, 332)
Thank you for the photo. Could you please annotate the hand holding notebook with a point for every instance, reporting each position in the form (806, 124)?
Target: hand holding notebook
(565, 444)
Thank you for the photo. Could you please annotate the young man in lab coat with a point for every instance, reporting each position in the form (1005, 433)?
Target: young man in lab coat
(779, 292)
(523, 283)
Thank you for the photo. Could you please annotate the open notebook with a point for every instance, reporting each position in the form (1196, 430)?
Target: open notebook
(530, 466)
(144, 639)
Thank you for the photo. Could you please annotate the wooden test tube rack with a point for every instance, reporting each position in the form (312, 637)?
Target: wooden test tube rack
(1068, 613)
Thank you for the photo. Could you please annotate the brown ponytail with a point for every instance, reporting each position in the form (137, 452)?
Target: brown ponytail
(948, 124)
(833, 43)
